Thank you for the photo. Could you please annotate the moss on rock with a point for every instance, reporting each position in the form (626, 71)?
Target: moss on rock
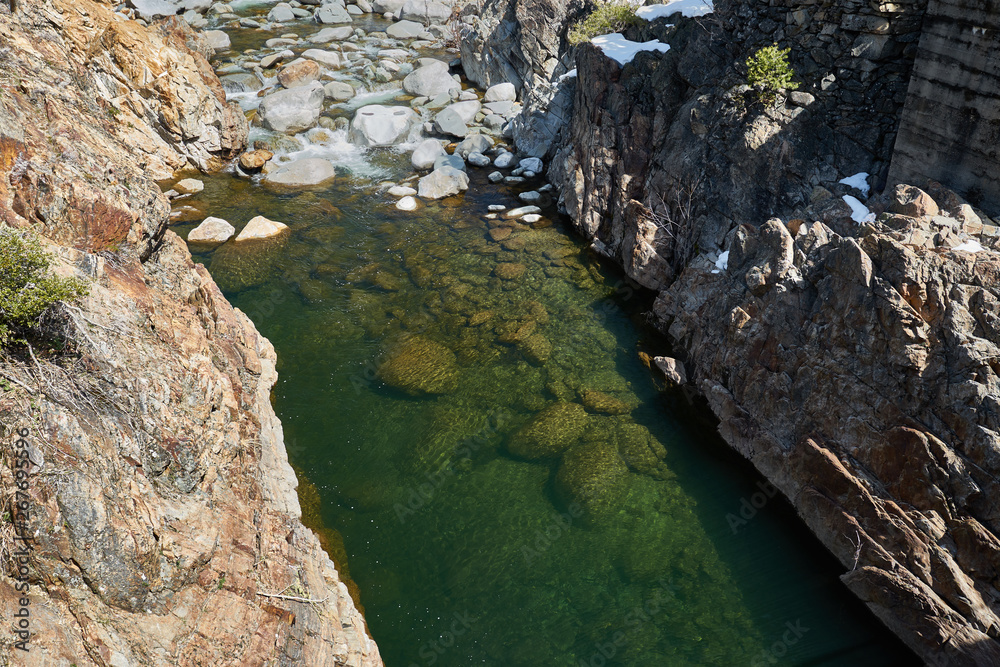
(419, 366)
(593, 477)
(550, 433)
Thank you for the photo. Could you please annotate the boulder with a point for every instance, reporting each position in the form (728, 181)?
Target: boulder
(593, 477)
(189, 186)
(218, 39)
(531, 164)
(332, 14)
(253, 161)
(449, 121)
(420, 366)
(425, 11)
(240, 82)
(211, 230)
(298, 73)
(551, 432)
(502, 92)
(294, 109)
(466, 110)
(407, 203)
(327, 35)
(477, 159)
(281, 13)
(302, 173)
(476, 143)
(377, 125)
(430, 80)
(426, 152)
(339, 91)
(275, 58)
(442, 182)
(445, 160)
(329, 59)
(261, 228)
(387, 6)
(913, 202)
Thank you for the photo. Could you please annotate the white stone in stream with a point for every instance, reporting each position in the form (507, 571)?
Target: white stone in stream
(477, 159)
(332, 14)
(327, 35)
(387, 6)
(275, 58)
(476, 143)
(531, 218)
(493, 121)
(493, 208)
(531, 164)
(495, 177)
(395, 54)
(502, 92)
(499, 108)
(520, 212)
(407, 203)
(425, 153)
(425, 11)
(293, 110)
(261, 228)
(302, 173)
(376, 125)
(211, 230)
(401, 191)
(468, 95)
(404, 30)
(430, 80)
(189, 186)
(504, 160)
(217, 39)
(281, 13)
(330, 59)
(339, 91)
(442, 182)
(530, 197)
(354, 10)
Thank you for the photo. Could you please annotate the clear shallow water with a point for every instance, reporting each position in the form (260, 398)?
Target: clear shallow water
(463, 552)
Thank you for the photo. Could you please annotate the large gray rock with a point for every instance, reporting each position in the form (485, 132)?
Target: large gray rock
(466, 110)
(449, 121)
(477, 143)
(425, 11)
(302, 173)
(454, 161)
(377, 125)
(149, 9)
(329, 59)
(442, 182)
(501, 92)
(240, 82)
(426, 152)
(281, 13)
(218, 39)
(430, 80)
(339, 91)
(211, 230)
(332, 14)
(327, 35)
(292, 110)
(405, 30)
(387, 6)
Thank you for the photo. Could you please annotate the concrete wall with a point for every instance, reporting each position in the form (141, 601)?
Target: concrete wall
(950, 128)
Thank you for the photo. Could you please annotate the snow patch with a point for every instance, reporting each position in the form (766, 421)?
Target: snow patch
(722, 263)
(621, 50)
(970, 246)
(859, 212)
(568, 75)
(688, 8)
(859, 182)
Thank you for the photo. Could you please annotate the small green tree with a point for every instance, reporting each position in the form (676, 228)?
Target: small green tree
(768, 72)
(27, 290)
(611, 16)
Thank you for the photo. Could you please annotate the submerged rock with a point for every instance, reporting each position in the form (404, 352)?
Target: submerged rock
(550, 432)
(594, 478)
(301, 173)
(418, 366)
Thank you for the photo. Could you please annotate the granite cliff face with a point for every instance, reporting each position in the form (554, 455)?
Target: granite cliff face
(852, 362)
(163, 510)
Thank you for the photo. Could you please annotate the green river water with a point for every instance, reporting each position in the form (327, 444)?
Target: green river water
(463, 552)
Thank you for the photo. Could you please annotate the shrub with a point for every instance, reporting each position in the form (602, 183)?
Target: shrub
(26, 289)
(609, 17)
(768, 72)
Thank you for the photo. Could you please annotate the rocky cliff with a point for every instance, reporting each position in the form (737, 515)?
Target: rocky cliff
(850, 356)
(162, 512)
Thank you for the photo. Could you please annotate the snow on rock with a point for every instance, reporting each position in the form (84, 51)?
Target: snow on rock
(568, 75)
(970, 246)
(689, 8)
(722, 263)
(859, 212)
(621, 50)
(859, 182)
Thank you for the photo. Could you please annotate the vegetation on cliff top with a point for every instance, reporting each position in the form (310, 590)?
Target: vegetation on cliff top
(27, 290)
(609, 17)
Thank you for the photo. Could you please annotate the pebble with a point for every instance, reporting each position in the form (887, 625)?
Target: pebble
(513, 180)
(495, 177)
(407, 203)
(401, 191)
(496, 207)
(530, 197)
